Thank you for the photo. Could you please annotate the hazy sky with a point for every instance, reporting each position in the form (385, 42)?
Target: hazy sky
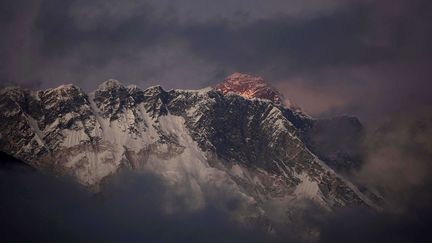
(366, 58)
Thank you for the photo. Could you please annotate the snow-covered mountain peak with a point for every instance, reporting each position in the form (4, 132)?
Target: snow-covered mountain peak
(65, 87)
(249, 87)
(110, 84)
(10, 89)
(152, 90)
(63, 91)
(242, 79)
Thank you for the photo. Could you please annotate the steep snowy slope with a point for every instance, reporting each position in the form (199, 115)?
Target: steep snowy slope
(336, 141)
(201, 142)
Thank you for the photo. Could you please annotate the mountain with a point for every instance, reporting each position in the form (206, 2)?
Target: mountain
(209, 144)
(249, 86)
(337, 141)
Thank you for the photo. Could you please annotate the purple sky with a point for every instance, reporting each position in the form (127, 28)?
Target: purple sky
(365, 58)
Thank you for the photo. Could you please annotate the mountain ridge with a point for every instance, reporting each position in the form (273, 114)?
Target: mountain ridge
(198, 141)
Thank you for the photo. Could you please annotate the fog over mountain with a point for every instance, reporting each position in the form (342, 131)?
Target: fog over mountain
(179, 121)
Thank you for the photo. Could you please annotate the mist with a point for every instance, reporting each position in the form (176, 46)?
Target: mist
(39, 207)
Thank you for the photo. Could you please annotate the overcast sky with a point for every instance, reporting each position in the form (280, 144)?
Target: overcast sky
(366, 58)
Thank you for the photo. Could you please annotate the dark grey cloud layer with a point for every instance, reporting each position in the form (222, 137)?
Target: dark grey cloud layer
(340, 50)
(39, 208)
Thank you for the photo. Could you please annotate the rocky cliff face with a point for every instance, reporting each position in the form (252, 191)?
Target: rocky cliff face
(201, 142)
(337, 141)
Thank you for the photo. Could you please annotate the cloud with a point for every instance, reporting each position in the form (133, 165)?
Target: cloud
(356, 225)
(38, 207)
(315, 100)
(334, 50)
(240, 11)
(398, 160)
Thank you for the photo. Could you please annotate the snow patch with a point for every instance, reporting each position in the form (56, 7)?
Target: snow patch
(38, 133)
(307, 188)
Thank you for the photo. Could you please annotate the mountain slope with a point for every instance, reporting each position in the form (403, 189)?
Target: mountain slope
(337, 141)
(201, 142)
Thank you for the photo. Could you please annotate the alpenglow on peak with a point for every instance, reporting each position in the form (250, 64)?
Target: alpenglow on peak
(249, 87)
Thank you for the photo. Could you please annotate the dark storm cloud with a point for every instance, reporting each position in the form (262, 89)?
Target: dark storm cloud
(389, 74)
(280, 43)
(39, 208)
(351, 36)
(307, 48)
(66, 26)
(101, 36)
(329, 64)
(365, 226)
